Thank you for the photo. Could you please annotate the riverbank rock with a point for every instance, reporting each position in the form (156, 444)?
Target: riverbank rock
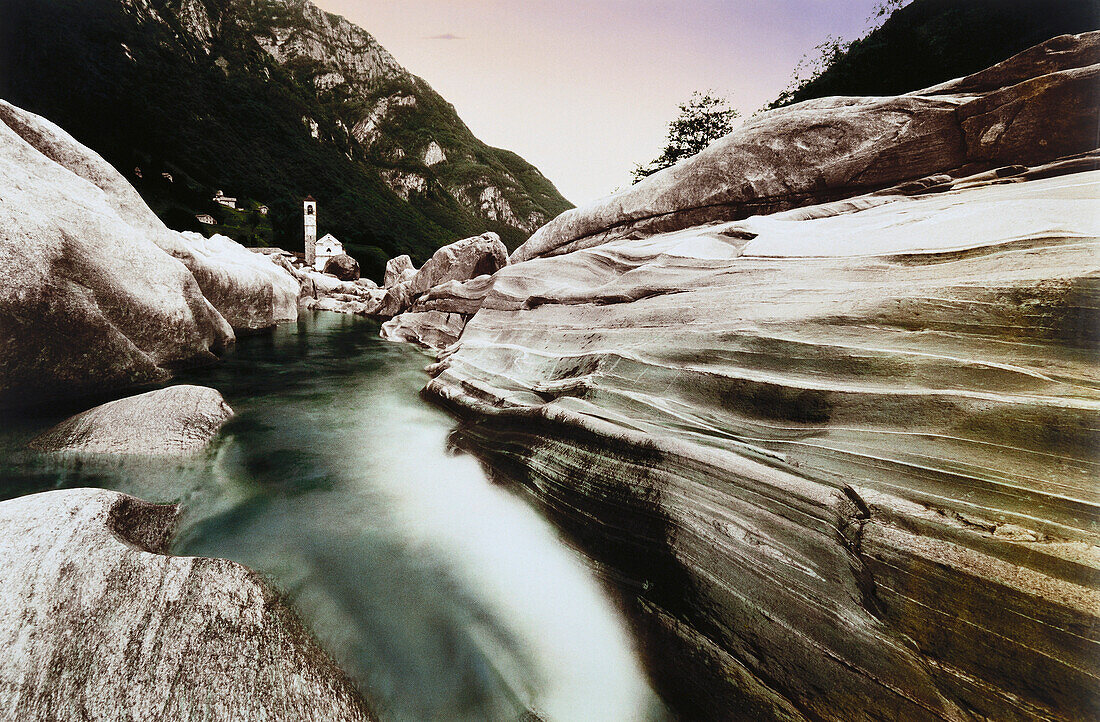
(177, 420)
(460, 261)
(398, 270)
(88, 301)
(840, 455)
(840, 458)
(434, 329)
(250, 290)
(459, 272)
(343, 267)
(247, 290)
(1032, 108)
(97, 623)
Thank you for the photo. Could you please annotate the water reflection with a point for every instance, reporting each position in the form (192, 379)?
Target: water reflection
(444, 596)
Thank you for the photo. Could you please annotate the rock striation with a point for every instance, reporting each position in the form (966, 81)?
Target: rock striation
(100, 294)
(97, 623)
(167, 422)
(840, 458)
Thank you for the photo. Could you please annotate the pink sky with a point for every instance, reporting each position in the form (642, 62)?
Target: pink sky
(585, 89)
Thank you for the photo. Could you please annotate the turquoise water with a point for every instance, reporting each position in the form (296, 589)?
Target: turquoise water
(445, 597)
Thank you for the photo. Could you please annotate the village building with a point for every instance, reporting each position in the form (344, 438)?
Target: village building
(206, 218)
(327, 247)
(227, 201)
(166, 176)
(263, 210)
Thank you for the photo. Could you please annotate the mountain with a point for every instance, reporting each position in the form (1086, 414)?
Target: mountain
(270, 101)
(931, 41)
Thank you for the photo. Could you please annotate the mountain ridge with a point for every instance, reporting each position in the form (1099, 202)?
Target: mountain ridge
(269, 100)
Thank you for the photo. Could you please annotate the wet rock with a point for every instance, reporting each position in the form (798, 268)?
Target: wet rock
(89, 300)
(96, 623)
(398, 270)
(177, 420)
(343, 267)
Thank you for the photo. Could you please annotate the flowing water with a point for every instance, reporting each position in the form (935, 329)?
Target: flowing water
(443, 596)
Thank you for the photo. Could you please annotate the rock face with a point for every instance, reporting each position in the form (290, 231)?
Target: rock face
(398, 270)
(821, 150)
(434, 329)
(249, 289)
(166, 422)
(100, 293)
(97, 623)
(457, 263)
(839, 458)
(88, 300)
(343, 267)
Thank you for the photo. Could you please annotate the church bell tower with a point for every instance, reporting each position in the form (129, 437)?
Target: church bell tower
(309, 224)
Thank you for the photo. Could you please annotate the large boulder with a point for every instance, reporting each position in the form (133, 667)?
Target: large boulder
(248, 292)
(398, 270)
(166, 422)
(97, 622)
(249, 289)
(89, 301)
(343, 267)
(1033, 108)
(461, 261)
(457, 262)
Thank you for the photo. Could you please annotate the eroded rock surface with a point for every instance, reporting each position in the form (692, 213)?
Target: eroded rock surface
(177, 420)
(96, 623)
(434, 329)
(841, 458)
(249, 289)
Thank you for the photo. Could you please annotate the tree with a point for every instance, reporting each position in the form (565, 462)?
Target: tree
(704, 118)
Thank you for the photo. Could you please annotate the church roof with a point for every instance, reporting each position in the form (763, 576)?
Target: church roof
(310, 198)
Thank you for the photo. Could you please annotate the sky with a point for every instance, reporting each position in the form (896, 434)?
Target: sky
(585, 89)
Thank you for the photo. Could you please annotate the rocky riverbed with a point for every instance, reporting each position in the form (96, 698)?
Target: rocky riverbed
(819, 403)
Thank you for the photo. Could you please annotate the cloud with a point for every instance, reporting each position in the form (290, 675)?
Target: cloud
(444, 36)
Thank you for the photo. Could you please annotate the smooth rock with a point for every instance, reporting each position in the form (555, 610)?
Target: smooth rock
(343, 267)
(840, 459)
(89, 301)
(250, 290)
(398, 270)
(176, 420)
(433, 329)
(246, 290)
(97, 623)
(1041, 105)
(460, 261)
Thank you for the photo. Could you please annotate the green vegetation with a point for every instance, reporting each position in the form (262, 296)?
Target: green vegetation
(927, 42)
(147, 94)
(704, 118)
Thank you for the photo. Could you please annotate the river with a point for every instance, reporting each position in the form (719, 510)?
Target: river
(444, 596)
